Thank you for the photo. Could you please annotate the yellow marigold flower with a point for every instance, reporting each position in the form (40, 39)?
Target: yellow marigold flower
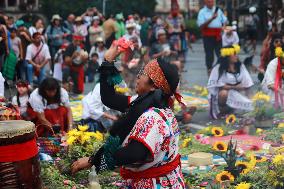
(83, 127)
(243, 185)
(245, 167)
(99, 136)
(278, 52)
(259, 131)
(71, 140)
(231, 119)
(278, 159)
(85, 138)
(72, 132)
(217, 131)
(207, 129)
(261, 96)
(225, 176)
(121, 90)
(220, 146)
(281, 125)
(237, 48)
(186, 142)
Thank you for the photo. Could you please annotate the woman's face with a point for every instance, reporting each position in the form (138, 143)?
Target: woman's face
(39, 24)
(143, 84)
(277, 42)
(233, 58)
(50, 93)
(22, 90)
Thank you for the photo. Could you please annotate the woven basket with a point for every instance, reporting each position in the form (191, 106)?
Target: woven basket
(50, 144)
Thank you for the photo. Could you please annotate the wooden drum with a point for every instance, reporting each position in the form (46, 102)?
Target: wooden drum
(19, 163)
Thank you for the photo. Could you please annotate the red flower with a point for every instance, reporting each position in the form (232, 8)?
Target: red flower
(240, 132)
(254, 148)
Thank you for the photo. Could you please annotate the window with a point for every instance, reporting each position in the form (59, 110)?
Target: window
(12, 3)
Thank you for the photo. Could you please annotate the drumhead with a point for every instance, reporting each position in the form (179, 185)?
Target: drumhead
(14, 128)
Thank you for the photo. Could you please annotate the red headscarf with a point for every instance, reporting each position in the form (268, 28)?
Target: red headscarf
(156, 74)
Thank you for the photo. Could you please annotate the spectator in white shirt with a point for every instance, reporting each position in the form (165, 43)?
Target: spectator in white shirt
(37, 56)
(230, 37)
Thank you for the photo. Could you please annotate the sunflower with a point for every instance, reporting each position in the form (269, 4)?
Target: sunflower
(220, 146)
(243, 185)
(217, 131)
(259, 159)
(224, 176)
(231, 119)
(278, 159)
(244, 167)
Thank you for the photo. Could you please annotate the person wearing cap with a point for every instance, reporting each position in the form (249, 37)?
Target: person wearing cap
(55, 34)
(26, 39)
(100, 49)
(161, 49)
(131, 32)
(211, 19)
(230, 37)
(228, 84)
(95, 30)
(251, 22)
(144, 142)
(119, 22)
(110, 29)
(75, 57)
(80, 28)
(37, 56)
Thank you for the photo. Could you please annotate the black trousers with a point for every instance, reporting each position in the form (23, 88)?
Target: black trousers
(211, 45)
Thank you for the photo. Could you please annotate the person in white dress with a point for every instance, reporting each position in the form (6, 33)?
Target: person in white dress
(272, 81)
(94, 111)
(22, 98)
(228, 83)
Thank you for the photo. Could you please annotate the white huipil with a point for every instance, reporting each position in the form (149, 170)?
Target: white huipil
(269, 79)
(235, 99)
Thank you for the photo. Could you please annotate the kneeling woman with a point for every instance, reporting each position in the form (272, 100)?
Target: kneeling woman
(145, 141)
(49, 106)
(228, 82)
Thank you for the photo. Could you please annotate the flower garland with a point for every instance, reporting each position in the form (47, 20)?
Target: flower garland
(230, 51)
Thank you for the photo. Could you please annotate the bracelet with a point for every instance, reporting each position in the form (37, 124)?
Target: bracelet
(91, 160)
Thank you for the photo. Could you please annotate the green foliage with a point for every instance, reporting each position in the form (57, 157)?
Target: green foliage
(274, 135)
(78, 7)
(192, 26)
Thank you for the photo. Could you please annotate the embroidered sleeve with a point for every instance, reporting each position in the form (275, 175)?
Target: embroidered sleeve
(151, 130)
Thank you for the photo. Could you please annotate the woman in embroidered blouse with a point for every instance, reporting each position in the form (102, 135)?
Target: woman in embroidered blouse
(145, 141)
(226, 82)
(49, 106)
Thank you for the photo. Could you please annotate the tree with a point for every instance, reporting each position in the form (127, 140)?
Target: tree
(65, 7)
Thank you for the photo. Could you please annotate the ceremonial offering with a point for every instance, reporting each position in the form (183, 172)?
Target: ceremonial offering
(200, 159)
